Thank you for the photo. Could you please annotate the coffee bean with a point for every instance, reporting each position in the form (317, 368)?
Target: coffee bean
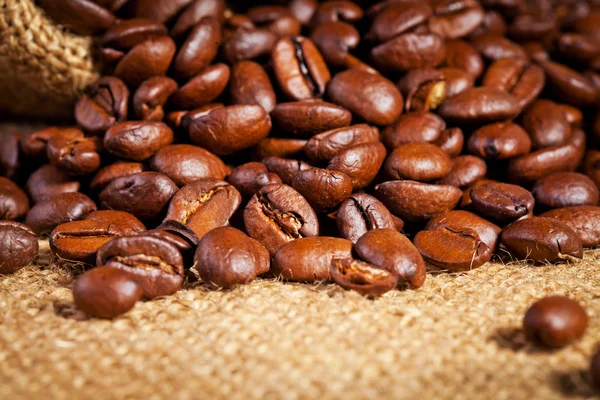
(461, 55)
(179, 236)
(546, 124)
(465, 171)
(326, 145)
(202, 88)
(502, 202)
(573, 115)
(459, 220)
(150, 98)
(500, 141)
(541, 240)
(322, 188)
(423, 89)
(137, 140)
(113, 171)
(454, 19)
(309, 259)
(285, 168)
(569, 85)
(155, 264)
(147, 59)
(72, 152)
(250, 84)
(248, 44)
(105, 104)
(393, 252)
(494, 47)
(555, 321)
(34, 145)
(362, 277)
(204, 205)
(59, 209)
(48, 181)
(335, 40)
(518, 77)
(105, 292)
(128, 33)
(361, 163)
(249, 178)
(277, 19)
(194, 13)
(332, 11)
(226, 257)
(581, 48)
(457, 80)
(493, 23)
(418, 161)
(159, 10)
(480, 105)
(417, 201)
(303, 10)
(413, 127)
(564, 189)
(18, 246)
(279, 147)
(14, 204)
(309, 117)
(81, 16)
(361, 213)
(199, 49)
(278, 214)
(451, 141)
(584, 220)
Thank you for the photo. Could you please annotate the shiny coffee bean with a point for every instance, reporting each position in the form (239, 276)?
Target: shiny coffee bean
(34, 144)
(565, 189)
(418, 161)
(569, 85)
(279, 147)
(518, 77)
(451, 141)
(493, 23)
(199, 49)
(203, 88)
(285, 168)
(502, 202)
(361, 213)
(413, 127)
(461, 55)
(458, 220)
(500, 141)
(326, 145)
(362, 277)
(152, 95)
(465, 171)
(335, 40)
(480, 105)
(454, 19)
(14, 204)
(72, 152)
(573, 115)
(113, 171)
(18, 246)
(150, 58)
(249, 178)
(248, 44)
(48, 181)
(128, 33)
(105, 103)
(308, 118)
(303, 10)
(179, 236)
(84, 17)
(361, 163)
(457, 80)
(159, 10)
(137, 140)
(59, 209)
(195, 12)
(423, 89)
(250, 84)
(546, 124)
(322, 188)
(331, 11)
(584, 220)
(494, 47)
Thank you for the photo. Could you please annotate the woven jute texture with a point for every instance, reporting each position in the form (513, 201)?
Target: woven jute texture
(42, 67)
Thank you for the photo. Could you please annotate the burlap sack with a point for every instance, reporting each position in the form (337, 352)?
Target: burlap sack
(43, 68)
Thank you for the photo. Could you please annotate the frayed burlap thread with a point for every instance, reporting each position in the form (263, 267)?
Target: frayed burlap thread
(43, 68)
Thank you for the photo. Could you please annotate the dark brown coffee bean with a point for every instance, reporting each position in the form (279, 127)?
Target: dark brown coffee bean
(541, 240)
(155, 264)
(396, 18)
(584, 220)
(466, 197)
(423, 89)
(417, 161)
(500, 141)
(104, 104)
(278, 147)
(546, 124)
(278, 214)
(72, 152)
(81, 16)
(361, 213)
(204, 205)
(518, 77)
(190, 116)
(564, 189)
(331, 11)
(159, 10)
(299, 68)
(18, 246)
(569, 85)
(361, 163)
(365, 278)
(10, 162)
(392, 251)
(417, 201)
(502, 202)
(326, 145)
(78, 241)
(578, 47)
(413, 127)
(150, 98)
(128, 33)
(179, 236)
(226, 130)
(322, 188)
(451, 141)
(458, 220)
(199, 49)
(408, 51)
(34, 145)
(336, 40)
(543, 162)
(480, 105)
(250, 84)
(371, 97)
(105, 292)
(286, 168)
(64, 207)
(309, 259)
(226, 257)
(465, 171)
(461, 55)
(137, 140)
(303, 10)
(194, 13)
(48, 181)
(249, 178)
(454, 19)
(555, 321)
(494, 47)
(493, 23)
(573, 115)
(150, 58)
(203, 88)
(277, 19)
(145, 195)
(309, 117)
(248, 44)
(113, 171)
(457, 80)
(14, 204)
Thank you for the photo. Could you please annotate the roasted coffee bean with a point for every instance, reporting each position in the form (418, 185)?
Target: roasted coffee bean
(423, 89)
(582, 48)
(542, 240)
(584, 220)
(48, 181)
(331, 11)
(278, 214)
(104, 104)
(81, 16)
(394, 18)
(225, 130)
(565, 189)
(546, 124)
(204, 205)
(413, 127)
(248, 44)
(105, 292)
(150, 58)
(369, 96)
(149, 99)
(279, 147)
(500, 141)
(195, 114)
(361, 163)
(543, 162)
(78, 241)
(309, 259)
(34, 145)
(194, 13)
(18, 246)
(417, 201)
(137, 140)
(277, 19)
(494, 47)
(249, 178)
(113, 171)
(502, 202)
(569, 85)
(492, 23)
(159, 10)
(309, 117)
(518, 77)
(361, 213)
(14, 204)
(573, 115)
(465, 171)
(322, 188)
(10, 156)
(203, 88)
(226, 257)
(73, 153)
(408, 51)
(417, 161)
(335, 40)
(454, 19)
(480, 105)
(457, 80)
(299, 68)
(466, 197)
(145, 195)
(365, 278)
(285, 168)
(64, 207)
(326, 145)
(458, 220)
(199, 49)
(392, 251)
(555, 321)
(155, 264)
(461, 55)
(179, 236)
(250, 84)
(128, 33)
(303, 10)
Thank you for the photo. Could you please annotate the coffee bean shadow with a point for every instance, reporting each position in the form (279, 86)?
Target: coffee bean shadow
(573, 383)
(68, 310)
(514, 339)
